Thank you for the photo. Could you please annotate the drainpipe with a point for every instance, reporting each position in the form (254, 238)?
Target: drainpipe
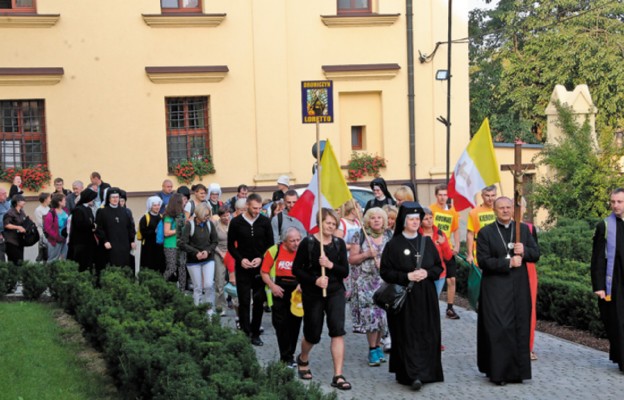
(410, 91)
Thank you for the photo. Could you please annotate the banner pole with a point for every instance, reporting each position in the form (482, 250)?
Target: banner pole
(318, 197)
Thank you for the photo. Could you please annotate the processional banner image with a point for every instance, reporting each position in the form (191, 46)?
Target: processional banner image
(317, 100)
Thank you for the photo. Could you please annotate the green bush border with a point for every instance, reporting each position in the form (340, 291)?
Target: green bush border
(158, 345)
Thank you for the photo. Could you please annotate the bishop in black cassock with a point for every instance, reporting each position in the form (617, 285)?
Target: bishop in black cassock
(504, 314)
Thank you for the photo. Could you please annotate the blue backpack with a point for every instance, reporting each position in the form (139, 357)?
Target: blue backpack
(160, 232)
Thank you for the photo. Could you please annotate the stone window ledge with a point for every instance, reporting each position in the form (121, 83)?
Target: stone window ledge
(30, 76)
(28, 20)
(178, 20)
(359, 20)
(188, 74)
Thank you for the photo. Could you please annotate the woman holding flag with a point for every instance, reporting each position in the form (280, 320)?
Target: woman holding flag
(323, 294)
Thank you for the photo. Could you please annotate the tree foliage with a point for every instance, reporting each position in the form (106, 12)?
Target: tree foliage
(581, 171)
(523, 48)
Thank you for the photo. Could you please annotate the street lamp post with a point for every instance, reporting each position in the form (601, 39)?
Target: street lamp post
(445, 75)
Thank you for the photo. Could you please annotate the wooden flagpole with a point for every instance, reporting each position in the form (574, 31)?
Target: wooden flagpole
(319, 201)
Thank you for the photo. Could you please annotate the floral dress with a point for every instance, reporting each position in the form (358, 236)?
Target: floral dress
(366, 316)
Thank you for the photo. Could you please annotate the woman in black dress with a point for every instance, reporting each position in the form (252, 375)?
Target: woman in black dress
(13, 220)
(152, 256)
(415, 357)
(82, 243)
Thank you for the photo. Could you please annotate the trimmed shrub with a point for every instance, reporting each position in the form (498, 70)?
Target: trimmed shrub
(9, 275)
(34, 280)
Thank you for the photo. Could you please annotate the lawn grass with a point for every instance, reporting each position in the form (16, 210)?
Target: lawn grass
(40, 358)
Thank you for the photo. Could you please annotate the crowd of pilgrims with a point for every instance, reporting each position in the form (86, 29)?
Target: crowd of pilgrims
(243, 243)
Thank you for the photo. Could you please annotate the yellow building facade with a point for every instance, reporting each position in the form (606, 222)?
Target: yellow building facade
(128, 88)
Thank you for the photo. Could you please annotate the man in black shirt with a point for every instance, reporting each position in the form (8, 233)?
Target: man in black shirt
(249, 237)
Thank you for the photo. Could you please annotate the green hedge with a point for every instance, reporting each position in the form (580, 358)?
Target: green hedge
(158, 345)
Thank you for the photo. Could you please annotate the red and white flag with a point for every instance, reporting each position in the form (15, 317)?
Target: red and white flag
(334, 191)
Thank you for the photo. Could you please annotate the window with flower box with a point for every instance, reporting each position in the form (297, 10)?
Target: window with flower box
(354, 7)
(181, 6)
(187, 129)
(17, 6)
(22, 133)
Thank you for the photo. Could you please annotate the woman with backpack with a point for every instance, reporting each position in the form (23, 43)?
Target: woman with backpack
(199, 241)
(55, 228)
(173, 223)
(13, 220)
(152, 256)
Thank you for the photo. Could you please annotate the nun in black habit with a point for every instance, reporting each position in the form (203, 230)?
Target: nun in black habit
(82, 243)
(115, 232)
(415, 357)
(381, 193)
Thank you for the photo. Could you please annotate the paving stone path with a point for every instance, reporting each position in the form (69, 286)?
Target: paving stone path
(565, 370)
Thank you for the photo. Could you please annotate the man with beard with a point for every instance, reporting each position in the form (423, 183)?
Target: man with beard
(607, 273)
(504, 315)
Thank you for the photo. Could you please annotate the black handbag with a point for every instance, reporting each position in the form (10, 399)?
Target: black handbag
(391, 296)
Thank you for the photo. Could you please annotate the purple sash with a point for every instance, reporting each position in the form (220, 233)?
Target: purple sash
(611, 225)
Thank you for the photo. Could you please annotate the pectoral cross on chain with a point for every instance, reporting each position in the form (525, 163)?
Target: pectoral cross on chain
(417, 257)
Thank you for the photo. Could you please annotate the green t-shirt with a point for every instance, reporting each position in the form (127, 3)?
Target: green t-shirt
(170, 242)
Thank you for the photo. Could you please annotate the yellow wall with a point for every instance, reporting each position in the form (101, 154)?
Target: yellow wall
(106, 115)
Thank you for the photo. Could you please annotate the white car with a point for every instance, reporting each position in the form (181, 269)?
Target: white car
(361, 194)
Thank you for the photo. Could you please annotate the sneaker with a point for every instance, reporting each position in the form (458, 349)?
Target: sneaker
(387, 345)
(373, 358)
(261, 330)
(256, 341)
(380, 354)
(451, 314)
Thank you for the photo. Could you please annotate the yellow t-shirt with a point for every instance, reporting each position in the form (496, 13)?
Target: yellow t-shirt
(446, 221)
(480, 217)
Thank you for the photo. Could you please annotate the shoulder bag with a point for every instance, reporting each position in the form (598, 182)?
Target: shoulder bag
(391, 296)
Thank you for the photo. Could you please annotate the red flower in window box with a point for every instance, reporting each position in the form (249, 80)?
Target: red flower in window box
(362, 164)
(186, 170)
(33, 177)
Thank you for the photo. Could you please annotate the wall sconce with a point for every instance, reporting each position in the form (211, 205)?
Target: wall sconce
(442, 75)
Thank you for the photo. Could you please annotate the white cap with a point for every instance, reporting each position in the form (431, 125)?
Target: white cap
(283, 180)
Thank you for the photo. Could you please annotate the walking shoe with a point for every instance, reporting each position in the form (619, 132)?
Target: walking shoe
(373, 358)
(451, 314)
(256, 341)
(380, 354)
